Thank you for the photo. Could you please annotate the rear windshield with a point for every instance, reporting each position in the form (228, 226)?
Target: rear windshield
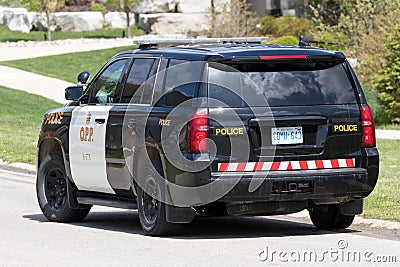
(280, 84)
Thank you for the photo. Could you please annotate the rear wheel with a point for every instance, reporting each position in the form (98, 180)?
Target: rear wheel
(329, 217)
(152, 212)
(51, 190)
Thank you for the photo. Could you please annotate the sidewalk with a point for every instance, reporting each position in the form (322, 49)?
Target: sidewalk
(24, 50)
(41, 85)
(388, 134)
(33, 83)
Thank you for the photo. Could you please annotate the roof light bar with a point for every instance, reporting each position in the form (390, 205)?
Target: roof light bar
(153, 42)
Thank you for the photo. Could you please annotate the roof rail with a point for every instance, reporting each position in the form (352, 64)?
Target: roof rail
(148, 43)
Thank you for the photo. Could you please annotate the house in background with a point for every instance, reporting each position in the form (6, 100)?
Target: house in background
(277, 7)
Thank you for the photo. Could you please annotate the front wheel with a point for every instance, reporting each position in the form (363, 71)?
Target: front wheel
(51, 190)
(329, 217)
(152, 211)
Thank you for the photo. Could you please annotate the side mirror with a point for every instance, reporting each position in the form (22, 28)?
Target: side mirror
(83, 77)
(73, 92)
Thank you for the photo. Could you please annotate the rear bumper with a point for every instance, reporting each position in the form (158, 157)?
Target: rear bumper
(321, 186)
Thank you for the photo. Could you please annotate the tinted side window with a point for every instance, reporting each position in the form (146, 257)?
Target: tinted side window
(138, 87)
(103, 89)
(181, 82)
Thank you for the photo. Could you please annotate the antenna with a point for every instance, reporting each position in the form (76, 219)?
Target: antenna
(303, 41)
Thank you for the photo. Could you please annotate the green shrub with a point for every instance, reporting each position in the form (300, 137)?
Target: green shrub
(267, 25)
(286, 26)
(97, 7)
(288, 39)
(293, 26)
(387, 81)
(372, 96)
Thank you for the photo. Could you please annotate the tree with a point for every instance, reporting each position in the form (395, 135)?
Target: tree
(231, 18)
(387, 82)
(46, 6)
(365, 17)
(325, 12)
(125, 6)
(10, 3)
(368, 23)
(365, 25)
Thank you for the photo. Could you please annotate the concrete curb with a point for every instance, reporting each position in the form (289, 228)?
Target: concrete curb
(358, 221)
(19, 167)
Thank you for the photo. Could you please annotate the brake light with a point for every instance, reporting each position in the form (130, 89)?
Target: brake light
(283, 57)
(368, 127)
(198, 131)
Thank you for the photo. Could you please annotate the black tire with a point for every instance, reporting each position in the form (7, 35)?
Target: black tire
(329, 217)
(51, 191)
(152, 212)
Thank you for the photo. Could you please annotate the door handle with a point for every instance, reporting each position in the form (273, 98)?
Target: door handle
(100, 121)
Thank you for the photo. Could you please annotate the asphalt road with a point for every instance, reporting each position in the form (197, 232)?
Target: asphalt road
(113, 237)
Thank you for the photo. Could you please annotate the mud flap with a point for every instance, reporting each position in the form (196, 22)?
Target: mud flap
(352, 208)
(72, 202)
(179, 215)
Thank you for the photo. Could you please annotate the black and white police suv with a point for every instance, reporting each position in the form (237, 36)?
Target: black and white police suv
(211, 127)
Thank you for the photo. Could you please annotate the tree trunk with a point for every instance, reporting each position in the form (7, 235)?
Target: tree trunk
(213, 19)
(48, 25)
(128, 24)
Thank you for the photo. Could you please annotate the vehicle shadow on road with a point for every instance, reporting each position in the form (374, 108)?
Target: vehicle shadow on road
(203, 227)
(249, 227)
(123, 221)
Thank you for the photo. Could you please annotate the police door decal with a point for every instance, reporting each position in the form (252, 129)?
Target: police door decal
(87, 148)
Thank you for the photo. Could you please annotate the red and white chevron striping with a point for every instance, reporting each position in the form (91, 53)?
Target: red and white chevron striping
(286, 165)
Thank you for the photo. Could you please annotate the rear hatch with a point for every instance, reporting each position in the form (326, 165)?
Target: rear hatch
(293, 109)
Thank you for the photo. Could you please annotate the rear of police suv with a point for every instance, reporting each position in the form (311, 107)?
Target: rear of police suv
(292, 130)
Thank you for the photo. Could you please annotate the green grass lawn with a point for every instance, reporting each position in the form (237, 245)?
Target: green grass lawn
(67, 66)
(20, 120)
(384, 201)
(13, 36)
(390, 126)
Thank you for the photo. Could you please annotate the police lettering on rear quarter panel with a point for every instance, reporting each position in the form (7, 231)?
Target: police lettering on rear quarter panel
(211, 127)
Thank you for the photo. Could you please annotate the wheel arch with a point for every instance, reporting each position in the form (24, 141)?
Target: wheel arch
(153, 152)
(52, 144)
(48, 145)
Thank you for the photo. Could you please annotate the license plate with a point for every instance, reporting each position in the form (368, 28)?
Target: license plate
(287, 135)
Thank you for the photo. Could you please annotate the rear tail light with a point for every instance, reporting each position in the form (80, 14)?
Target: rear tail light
(198, 131)
(368, 127)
